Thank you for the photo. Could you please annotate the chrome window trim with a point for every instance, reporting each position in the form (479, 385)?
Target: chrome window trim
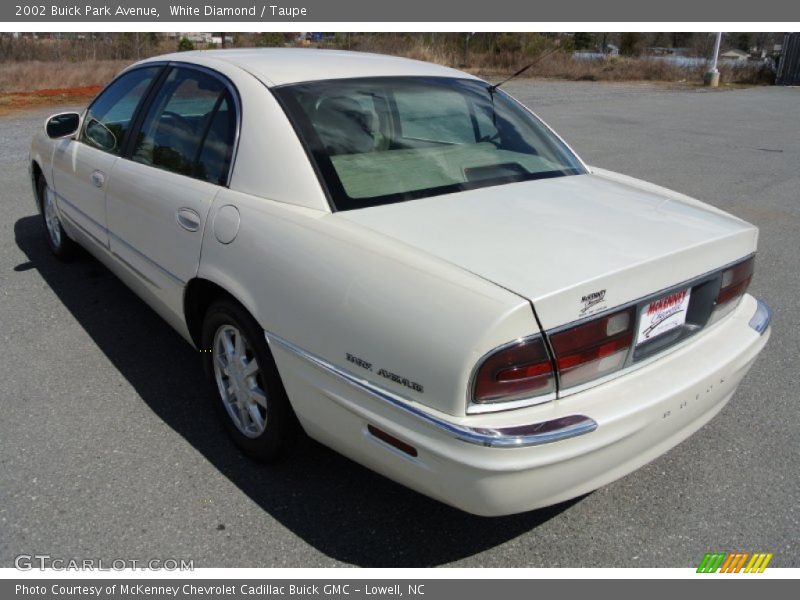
(533, 434)
(237, 102)
(144, 105)
(160, 64)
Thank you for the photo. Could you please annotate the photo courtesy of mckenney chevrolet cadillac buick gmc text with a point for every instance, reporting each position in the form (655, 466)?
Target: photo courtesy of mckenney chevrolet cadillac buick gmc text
(407, 264)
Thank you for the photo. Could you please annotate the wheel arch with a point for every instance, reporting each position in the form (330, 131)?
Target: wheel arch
(199, 294)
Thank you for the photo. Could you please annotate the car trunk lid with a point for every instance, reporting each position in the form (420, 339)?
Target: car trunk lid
(573, 245)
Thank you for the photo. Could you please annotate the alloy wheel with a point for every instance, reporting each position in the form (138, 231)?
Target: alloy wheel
(51, 217)
(238, 378)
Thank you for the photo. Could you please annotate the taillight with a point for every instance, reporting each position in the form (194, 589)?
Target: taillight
(593, 349)
(520, 370)
(735, 281)
(581, 353)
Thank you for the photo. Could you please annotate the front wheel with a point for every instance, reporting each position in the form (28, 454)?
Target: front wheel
(57, 238)
(248, 392)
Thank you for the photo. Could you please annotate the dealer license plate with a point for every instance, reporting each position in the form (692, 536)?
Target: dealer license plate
(663, 315)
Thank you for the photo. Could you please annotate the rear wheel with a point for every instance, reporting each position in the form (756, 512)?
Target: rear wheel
(249, 394)
(56, 237)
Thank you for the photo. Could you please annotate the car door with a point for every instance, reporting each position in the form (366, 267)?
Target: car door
(160, 194)
(81, 166)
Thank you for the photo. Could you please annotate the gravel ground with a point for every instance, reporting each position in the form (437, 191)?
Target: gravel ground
(109, 449)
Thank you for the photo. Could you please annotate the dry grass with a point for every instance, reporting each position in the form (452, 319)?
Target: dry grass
(562, 65)
(449, 50)
(27, 76)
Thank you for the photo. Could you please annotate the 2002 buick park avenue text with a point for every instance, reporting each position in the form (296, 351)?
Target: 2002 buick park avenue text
(405, 263)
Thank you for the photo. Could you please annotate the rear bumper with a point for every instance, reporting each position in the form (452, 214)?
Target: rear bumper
(501, 464)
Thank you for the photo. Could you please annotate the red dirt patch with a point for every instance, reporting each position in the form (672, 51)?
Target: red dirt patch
(16, 101)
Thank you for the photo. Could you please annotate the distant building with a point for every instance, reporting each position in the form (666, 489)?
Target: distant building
(200, 37)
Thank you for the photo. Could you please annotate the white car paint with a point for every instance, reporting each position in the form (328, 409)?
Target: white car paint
(424, 289)
(553, 241)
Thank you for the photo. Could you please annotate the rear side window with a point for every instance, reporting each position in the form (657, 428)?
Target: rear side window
(189, 127)
(109, 117)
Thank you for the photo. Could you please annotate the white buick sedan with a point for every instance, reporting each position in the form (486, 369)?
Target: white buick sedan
(408, 265)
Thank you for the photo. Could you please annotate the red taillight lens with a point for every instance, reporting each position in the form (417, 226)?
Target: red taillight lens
(593, 349)
(518, 371)
(583, 352)
(735, 281)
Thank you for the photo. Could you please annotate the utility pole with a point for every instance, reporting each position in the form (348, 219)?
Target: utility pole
(711, 77)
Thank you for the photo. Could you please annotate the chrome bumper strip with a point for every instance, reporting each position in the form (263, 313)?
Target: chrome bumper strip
(533, 434)
(761, 318)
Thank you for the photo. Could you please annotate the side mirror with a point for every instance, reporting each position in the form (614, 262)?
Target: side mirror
(62, 125)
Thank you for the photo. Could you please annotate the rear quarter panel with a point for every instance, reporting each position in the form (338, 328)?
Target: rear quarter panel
(332, 287)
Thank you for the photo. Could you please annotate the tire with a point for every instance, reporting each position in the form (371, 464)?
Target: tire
(57, 240)
(249, 398)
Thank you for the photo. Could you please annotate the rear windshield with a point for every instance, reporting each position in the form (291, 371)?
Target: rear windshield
(384, 140)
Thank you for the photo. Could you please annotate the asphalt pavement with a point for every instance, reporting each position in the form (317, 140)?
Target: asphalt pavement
(109, 447)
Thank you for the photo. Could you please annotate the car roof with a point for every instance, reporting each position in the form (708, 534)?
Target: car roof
(280, 66)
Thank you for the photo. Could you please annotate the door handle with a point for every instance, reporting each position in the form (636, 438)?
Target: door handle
(98, 178)
(188, 219)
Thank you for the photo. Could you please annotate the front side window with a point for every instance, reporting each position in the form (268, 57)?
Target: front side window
(189, 127)
(389, 139)
(109, 117)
